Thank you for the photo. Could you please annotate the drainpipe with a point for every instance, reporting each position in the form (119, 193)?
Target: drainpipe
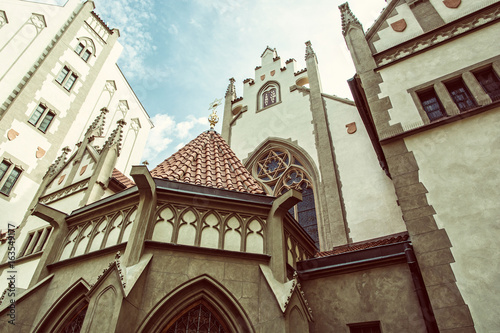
(423, 297)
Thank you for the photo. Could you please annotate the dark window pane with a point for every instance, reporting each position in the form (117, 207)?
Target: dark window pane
(79, 48)
(11, 180)
(306, 212)
(62, 75)
(489, 81)
(461, 95)
(69, 84)
(4, 166)
(431, 105)
(86, 55)
(46, 122)
(40, 109)
(269, 97)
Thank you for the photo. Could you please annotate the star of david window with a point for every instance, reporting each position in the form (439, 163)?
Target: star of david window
(269, 95)
(197, 318)
(279, 170)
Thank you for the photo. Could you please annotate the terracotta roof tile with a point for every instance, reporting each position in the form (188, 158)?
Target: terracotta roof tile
(207, 160)
(390, 239)
(122, 179)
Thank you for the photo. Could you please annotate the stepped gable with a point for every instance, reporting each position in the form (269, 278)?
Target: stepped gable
(371, 243)
(208, 161)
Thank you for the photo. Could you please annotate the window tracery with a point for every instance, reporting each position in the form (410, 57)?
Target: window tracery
(197, 319)
(280, 170)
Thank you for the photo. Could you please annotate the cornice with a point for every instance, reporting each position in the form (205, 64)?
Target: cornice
(439, 36)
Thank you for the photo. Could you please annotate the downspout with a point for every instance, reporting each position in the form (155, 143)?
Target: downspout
(423, 297)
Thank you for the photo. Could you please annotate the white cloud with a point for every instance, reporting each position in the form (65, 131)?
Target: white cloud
(180, 145)
(173, 29)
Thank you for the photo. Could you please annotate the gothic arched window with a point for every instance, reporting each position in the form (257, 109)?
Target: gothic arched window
(269, 95)
(85, 48)
(75, 320)
(280, 170)
(196, 318)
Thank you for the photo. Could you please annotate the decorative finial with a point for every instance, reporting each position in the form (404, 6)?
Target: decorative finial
(213, 118)
(348, 18)
(309, 51)
(145, 162)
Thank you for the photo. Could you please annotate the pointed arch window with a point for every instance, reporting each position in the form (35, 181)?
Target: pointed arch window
(269, 95)
(280, 170)
(199, 317)
(85, 48)
(75, 320)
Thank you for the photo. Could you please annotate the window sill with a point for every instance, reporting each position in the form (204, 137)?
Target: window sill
(442, 121)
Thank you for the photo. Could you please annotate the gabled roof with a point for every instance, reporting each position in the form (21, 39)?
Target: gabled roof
(208, 161)
(389, 239)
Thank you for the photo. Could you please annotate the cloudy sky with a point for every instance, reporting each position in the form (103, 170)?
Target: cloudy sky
(179, 54)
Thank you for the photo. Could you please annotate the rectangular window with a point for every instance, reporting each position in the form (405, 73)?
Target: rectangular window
(488, 79)
(69, 83)
(62, 75)
(79, 48)
(86, 55)
(4, 166)
(461, 95)
(431, 104)
(10, 181)
(368, 327)
(35, 241)
(46, 121)
(35, 117)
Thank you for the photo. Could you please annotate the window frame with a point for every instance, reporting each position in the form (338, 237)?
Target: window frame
(423, 96)
(70, 73)
(35, 242)
(7, 176)
(48, 114)
(85, 48)
(496, 78)
(266, 88)
(459, 84)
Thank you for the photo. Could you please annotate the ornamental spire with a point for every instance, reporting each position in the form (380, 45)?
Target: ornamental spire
(231, 90)
(59, 162)
(116, 136)
(97, 126)
(213, 118)
(348, 18)
(309, 50)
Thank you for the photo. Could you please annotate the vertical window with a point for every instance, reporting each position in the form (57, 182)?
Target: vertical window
(35, 117)
(42, 112)
(9, 175)
(86, 55)
(46, 121)
(488, 79)
(431, 104)
(66, 78)
(69, 83)
(35, 242)
(268, 95)
(79, 48)
(62, 75)
(461, 95)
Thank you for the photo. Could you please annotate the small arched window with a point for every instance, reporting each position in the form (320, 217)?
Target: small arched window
(85, 48)
(269, 95)
(74, 321)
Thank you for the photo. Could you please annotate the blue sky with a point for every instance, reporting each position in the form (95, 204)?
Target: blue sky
(179, 54)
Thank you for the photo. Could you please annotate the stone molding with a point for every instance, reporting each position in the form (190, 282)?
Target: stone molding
(438, 36)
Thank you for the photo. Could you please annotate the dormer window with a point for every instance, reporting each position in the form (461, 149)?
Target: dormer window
(269, 95)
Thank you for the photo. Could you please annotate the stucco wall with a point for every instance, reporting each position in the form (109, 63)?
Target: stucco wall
(379, 294)
(459, 167)
(368, 194)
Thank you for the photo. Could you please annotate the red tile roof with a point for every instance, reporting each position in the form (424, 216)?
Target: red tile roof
(208, 161)
(390, 239)
(122, 179)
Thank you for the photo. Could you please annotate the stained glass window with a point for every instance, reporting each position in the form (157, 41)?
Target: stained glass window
(75, 323)
(198, 319)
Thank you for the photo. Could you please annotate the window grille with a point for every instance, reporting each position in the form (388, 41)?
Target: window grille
(431, 104)
(461, 95)
(198, 319)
